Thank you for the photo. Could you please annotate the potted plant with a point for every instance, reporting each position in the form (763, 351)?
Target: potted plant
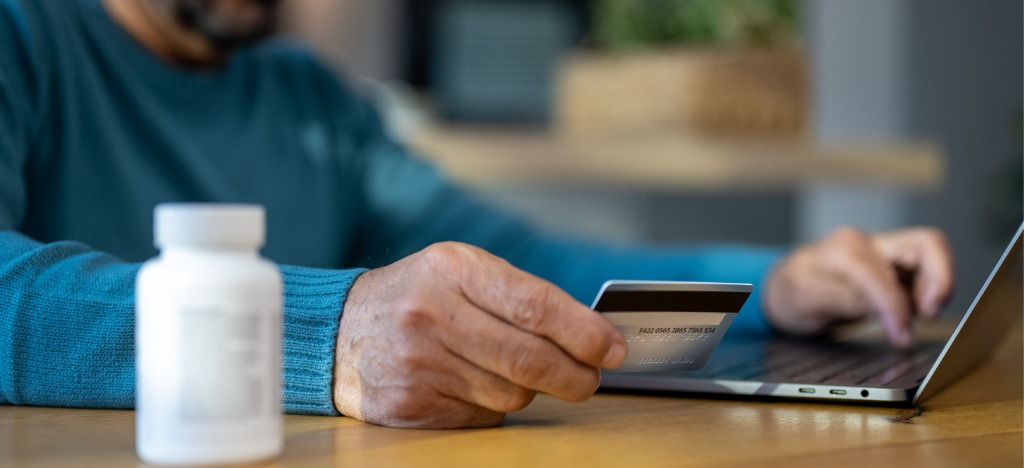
(720, 68)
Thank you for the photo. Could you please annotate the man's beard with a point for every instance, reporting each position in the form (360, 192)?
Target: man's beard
(227, 24)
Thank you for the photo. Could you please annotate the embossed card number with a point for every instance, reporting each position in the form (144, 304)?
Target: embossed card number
(670, 326)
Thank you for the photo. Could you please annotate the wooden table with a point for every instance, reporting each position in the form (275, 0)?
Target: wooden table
(976, 422)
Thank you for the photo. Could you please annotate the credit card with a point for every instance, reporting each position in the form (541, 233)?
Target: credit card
(670, 325)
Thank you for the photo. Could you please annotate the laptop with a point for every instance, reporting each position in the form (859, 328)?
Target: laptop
(853, 369)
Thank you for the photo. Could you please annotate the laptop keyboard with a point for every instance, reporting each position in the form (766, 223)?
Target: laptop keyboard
(812, 362)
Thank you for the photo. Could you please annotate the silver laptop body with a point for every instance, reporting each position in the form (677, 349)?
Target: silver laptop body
(855, 370)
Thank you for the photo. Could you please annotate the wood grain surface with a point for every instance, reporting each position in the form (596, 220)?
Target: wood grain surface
(976, 422)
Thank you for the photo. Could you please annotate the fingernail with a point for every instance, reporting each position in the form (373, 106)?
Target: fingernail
(615, 356)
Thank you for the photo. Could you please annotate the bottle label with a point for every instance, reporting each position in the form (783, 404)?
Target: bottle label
(223, 366)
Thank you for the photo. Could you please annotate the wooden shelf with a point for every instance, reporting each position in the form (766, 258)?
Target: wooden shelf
(488, 157)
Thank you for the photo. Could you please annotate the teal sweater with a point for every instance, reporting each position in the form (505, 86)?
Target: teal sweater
(95, 131)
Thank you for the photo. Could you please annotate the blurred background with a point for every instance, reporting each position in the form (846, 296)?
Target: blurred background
(679, 121)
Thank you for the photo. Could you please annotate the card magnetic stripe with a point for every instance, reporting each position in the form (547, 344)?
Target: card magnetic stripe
(671, 301)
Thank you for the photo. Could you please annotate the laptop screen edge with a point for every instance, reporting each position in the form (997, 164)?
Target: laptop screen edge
(945, 371)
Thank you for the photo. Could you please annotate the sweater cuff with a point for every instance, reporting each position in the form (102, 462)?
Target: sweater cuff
(313, 300)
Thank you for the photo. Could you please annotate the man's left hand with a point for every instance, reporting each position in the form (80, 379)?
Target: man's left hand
(849, 275)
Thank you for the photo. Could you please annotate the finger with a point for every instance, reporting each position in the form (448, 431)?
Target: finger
(926, 254)
(933, 283)
(873, 275)
(539, 307)
(887, 298)
(469, 382)
(520, 357)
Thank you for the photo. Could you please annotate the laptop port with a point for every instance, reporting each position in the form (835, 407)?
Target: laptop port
(806, 390)
(837, 391)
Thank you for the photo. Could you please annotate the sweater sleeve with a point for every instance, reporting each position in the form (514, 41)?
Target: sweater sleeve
(67, 328)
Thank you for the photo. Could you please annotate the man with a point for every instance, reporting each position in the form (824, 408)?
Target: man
(108, 107)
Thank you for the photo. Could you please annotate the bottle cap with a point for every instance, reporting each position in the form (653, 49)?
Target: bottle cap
(209, 224)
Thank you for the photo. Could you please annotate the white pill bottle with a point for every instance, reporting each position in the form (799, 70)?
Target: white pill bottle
(208, 339)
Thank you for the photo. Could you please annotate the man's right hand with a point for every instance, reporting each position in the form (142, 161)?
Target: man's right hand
(453, 336)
